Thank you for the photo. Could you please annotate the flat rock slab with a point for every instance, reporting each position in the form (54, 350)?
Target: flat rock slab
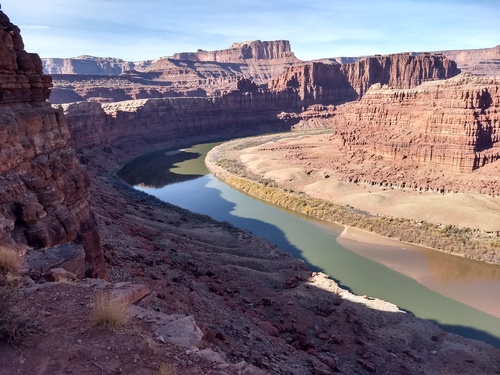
(177, 329)
(129, 293)
(70, 257)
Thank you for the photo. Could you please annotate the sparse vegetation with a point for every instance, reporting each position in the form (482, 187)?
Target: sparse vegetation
(109, 311)
(10, 263)
(15, 325)
(167, 369)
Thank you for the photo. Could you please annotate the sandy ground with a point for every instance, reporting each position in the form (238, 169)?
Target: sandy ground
(459, 280)
(305, 164)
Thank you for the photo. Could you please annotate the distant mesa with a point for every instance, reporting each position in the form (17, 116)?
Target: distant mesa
(239, 52)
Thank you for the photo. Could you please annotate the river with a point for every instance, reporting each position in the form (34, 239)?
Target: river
(460, 295)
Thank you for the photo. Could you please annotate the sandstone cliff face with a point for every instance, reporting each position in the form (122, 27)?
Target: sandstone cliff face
(248, 109)
(335, 83)
(453, 123)
(44, 198)
(202, 73)
(90, 65)
(482, 61)
(253, 50)
(152, 121)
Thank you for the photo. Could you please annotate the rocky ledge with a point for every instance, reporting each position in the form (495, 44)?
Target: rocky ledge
(44, 192)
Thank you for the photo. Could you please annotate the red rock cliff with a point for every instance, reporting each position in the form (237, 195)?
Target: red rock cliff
(453, 123)
(44, 199)
(238, 52)
(338, 83)
(152, 121)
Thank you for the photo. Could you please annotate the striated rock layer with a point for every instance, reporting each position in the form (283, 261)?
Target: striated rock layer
(256, 49)
(44, 195)
(90, 65)
(331, 84)
(453, 123)
(482, 61)
(152, 121)
(201, 73)
(248, 109)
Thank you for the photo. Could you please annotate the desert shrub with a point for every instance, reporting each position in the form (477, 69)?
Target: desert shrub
(167, 369)
(15, 326)
(9, 261)
(109, 311)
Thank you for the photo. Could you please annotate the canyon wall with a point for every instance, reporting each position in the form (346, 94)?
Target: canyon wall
(87, 65)
(214, 73)
(44, 196)
(481, 61)
(150, 122)
(252, 50)
(191, 74)
(453, 123)
(333, 83)
(247, 109)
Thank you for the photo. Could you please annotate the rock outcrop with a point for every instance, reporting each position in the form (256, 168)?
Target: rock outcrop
(482, 61)
(90, 65)
(152, 121)
(44, 196)
(192, 74)
(338, 83)
(247, 109)
(453, 124)
(239, 52)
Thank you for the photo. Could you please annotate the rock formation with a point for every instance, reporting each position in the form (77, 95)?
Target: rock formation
(482, 61)
(44, 197)
(214, 73)
(247, 109)
(238, 52)
(426, 135)
(152, 121)
(202, 73)
(453, 123)
(90, 65)
(334, 83)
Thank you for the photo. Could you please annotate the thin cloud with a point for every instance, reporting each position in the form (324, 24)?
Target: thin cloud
(315, 29)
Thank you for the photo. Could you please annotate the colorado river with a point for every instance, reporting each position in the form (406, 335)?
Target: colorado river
(460, 295)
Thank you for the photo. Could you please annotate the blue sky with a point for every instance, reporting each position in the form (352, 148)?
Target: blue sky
(148, 29)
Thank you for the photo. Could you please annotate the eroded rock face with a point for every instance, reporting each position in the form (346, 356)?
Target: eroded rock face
(44, 197)
(191, 74)
(247, 109)
(338, 83)
(482, 61)
(453, 123)
(252, 50)
(88, 65)
(152, 121)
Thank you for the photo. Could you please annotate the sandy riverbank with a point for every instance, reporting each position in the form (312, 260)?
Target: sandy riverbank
(305, 164)
(459, 280)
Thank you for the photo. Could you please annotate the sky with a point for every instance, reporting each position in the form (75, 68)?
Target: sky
(148, 29)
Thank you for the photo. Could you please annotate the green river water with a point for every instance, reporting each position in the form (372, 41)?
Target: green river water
(460, 295)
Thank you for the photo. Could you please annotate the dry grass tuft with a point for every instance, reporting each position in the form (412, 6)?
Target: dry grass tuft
(167, 369)
(9, 261)
(15, 326)
(109, 311)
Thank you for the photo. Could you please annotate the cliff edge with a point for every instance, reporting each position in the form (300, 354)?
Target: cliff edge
(44, 192)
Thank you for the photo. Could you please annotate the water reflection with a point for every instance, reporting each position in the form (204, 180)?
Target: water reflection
(159, 169)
